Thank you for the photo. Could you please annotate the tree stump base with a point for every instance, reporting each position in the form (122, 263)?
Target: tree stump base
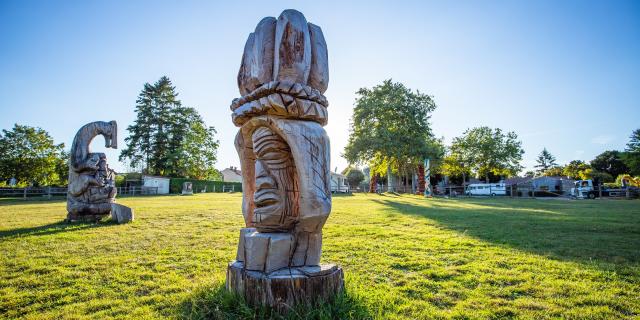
(284, 288)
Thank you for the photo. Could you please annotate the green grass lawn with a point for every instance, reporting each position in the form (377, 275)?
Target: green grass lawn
(404, 257)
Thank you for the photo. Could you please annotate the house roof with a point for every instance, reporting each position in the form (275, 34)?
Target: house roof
(234, 170)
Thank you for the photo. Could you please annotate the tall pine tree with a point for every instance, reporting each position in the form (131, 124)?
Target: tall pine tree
(545, 161)
(166, 137)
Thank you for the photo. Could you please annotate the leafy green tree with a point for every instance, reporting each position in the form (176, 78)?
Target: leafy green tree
(390, 129)
(631, 157)
(484, 150)
(555, 171)
(195, 153)
(575, 169)
(545, 162)
(598, 177)
(170, 139)
(634, 141)
(611, 163)
(354, 177)
(31, 157)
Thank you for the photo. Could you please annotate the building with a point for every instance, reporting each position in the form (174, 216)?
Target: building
(542, 185)
(162, 183)
(231, 174)
(339, 183)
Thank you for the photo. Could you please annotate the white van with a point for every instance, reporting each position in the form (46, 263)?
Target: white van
(486, 189)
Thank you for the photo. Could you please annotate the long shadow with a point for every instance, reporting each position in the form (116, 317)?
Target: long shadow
(215, 302)
(52, 228)
(583, 234)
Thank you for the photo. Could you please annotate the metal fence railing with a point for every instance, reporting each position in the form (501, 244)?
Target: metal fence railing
(50, 192)
(25, 193)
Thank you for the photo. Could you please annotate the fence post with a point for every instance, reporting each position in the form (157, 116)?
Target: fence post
(600, 191)
(510, 191)
(628, 193)
(533, 193)
(49, 193)
(233, 188)
(24, 193)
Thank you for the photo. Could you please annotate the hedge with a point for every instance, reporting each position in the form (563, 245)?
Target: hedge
(175, 185)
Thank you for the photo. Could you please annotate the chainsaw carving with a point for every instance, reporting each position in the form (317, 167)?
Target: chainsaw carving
(284, 154)
(91, 183)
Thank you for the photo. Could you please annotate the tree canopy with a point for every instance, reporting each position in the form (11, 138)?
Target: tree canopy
(545, 162)
(486, 151)
(32, 157)
(390, 127)
(354, 177)
(610, 162)
(631, 157)
(576, 169)
(168, 138)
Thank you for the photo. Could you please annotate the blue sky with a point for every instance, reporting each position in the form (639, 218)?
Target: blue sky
(564, 75)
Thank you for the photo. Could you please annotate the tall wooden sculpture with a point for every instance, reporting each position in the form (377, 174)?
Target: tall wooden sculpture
(284, 154)
(92, 188)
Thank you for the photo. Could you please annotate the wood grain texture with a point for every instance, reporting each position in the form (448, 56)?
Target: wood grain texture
(91, 188)
(293, 48)
(286, 287)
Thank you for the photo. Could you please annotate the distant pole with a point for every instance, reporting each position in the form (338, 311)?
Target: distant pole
(427, 177)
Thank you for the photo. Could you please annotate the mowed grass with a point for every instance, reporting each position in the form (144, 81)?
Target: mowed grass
(404, 257)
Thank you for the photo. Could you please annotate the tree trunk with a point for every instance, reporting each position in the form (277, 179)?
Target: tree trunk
(421, 181)
(286, 288)
(373, 183)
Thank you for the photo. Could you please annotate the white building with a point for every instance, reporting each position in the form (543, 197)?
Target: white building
(162, 183)
(339, 183)
(231, 174)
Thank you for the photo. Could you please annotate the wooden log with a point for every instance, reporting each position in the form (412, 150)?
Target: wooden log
(287, 287)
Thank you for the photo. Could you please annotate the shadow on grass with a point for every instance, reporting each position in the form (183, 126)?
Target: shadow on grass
(215, 302)
(53, 228)
(340, 195)
(580, 233)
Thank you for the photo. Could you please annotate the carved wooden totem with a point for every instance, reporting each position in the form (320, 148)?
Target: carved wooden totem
(284, 154)
(92, 188)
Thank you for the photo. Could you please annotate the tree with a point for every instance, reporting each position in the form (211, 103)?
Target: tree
(575, 169)
(610, 162)
(545, 161)
(193, 145)
(390, 129)
(631, 157)
(354, 177)
(168, 138)
(555, 171)
(634, 141)
(484, 150)
(30, 156)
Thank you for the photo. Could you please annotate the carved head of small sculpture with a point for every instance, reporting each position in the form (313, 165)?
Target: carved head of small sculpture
(276, 182)
(110, 135)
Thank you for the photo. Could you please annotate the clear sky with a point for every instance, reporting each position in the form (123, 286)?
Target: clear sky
(562, 74)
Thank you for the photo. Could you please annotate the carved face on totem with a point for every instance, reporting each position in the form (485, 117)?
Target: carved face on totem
(276, 196)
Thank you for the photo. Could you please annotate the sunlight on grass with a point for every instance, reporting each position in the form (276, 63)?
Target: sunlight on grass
(403, 257)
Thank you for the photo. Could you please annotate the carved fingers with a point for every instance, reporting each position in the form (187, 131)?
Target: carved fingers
(287, 49)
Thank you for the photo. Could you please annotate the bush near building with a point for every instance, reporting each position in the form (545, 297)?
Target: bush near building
(175, 186)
